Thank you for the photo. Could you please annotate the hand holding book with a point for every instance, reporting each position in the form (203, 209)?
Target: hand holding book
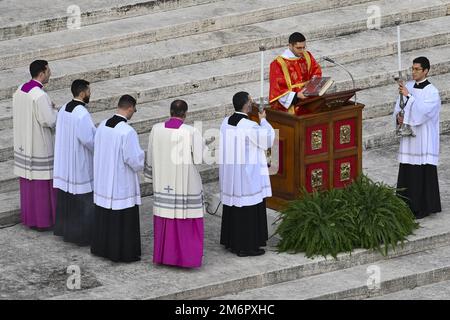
(301, 96)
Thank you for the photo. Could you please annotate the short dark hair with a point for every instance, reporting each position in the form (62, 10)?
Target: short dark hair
(78, 86)
(296, 37)
(178, 108)
(240, 99)
(37, 67)
(126, 101)
(424, 62)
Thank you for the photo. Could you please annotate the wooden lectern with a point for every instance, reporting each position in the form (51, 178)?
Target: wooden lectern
(319, 149)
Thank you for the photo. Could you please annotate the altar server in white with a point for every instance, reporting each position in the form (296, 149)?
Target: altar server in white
(419, 155)
(74, 167)
(244, 179)
(118, 159)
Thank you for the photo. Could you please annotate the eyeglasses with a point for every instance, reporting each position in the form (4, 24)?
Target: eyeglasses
(298, 47)
(416, 69)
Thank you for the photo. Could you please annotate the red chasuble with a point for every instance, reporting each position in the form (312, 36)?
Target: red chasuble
(290, 74)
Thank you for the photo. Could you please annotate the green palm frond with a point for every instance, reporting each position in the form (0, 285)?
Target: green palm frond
(365, 214)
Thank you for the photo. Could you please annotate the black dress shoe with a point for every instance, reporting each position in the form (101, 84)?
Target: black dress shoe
(251, 253)
(421, 215)
(38, 229)
(258, 252)
(242, 254)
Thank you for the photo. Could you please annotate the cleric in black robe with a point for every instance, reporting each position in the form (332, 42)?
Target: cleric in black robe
(244, 179)
(118, 159)
(73, 168)
(419, 154)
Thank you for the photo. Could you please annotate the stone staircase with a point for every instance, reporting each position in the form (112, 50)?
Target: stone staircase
(204, 51)
(396, 276)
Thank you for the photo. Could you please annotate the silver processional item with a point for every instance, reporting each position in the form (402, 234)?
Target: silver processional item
(402, 130)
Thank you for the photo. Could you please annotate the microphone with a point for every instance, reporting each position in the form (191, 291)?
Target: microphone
(328, 59)
(340, 65)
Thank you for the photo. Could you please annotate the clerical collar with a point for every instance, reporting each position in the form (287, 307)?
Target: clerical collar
(73, 104)
(79, 102)
(30, 85)
(236, 117)
(288, 54)
(173, 123)
(422, 84)
(115, 120)
(40, 83)
(119, 115)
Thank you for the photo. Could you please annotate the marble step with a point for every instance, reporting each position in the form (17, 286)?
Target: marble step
(21, 18)
(105, 280)
(9, 183)
(388, 276)
(142, 280)
(119, 63)
(10, 210)
(201, 77)
(380, 101)
(166, 25)
(345, 278)
(435, 291)
(380, 132)
(377, 133)
(216, 104)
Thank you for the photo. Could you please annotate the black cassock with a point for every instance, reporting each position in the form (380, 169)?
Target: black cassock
(244, 229)
(418, 156)
(116, 233)
(421, 188)
(74, 217)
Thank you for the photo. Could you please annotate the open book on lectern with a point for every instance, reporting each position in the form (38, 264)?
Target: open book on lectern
(317, 86)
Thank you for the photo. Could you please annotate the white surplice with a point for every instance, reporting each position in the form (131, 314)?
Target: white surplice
(243, 171)
(422, 114)
(118, 159)
(74, 150)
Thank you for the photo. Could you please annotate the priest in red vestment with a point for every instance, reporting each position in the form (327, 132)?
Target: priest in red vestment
(290, 72)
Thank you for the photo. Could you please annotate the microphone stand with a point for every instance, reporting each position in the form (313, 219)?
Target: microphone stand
(345, 69)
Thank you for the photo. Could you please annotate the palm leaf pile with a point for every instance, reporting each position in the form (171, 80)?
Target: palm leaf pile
(365, 214)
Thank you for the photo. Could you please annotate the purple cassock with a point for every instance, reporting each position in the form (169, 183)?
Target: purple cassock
(178, 242)
(37, 197)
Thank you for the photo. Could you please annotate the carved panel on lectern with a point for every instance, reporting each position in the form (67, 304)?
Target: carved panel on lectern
(345, 133)
(345, 171)
(317, 177)
(316, 139)
(318, 150)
